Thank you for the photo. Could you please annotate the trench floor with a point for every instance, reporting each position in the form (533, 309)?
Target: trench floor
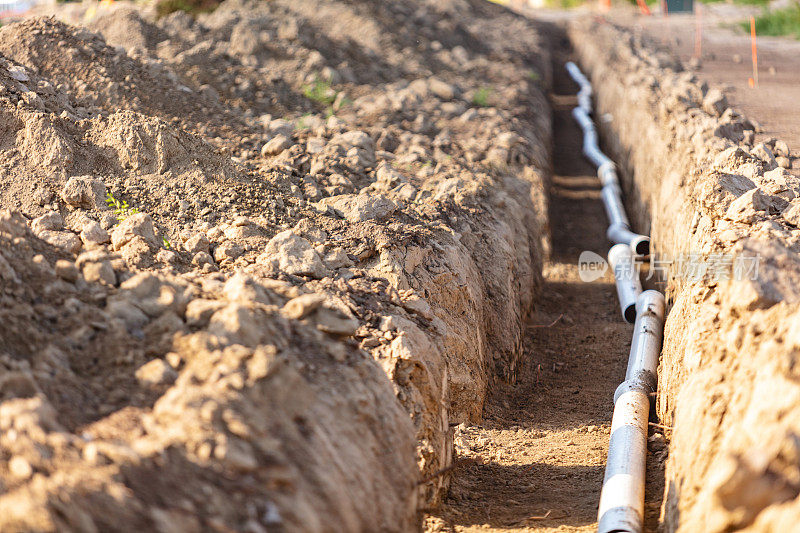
(536, 461)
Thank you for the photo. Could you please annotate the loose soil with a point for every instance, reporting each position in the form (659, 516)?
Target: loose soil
(536, 462)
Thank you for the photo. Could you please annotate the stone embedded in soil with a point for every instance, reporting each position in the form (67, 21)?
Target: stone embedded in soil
(49, 221)
(792, 214)
(763, 152)
(137, 225)
(331, 321)
(93, 234)
(85, 192)
(361, 207)
(715, 102)
(66, 240)
(197, 243)
(276, 145)
(302, 306)
(293, 255)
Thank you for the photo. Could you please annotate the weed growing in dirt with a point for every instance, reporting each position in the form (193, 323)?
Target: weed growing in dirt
(481, 97)
(320, 91)
(533, 75)
(784, 21)
(121, 209)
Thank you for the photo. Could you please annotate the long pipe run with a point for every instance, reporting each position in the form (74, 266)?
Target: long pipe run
(585, 94)
(620, 228)
(622, 497)
(621, 508)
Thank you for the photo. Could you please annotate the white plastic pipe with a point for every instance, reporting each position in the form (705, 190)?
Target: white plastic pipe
(620, 229)
(585, 93)
(623, 264)
(622, 497)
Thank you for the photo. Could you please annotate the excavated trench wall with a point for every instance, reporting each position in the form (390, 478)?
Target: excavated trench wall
(286, 385)
(728, 379)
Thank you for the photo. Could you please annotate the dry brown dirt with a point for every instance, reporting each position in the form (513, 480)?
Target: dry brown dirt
(536, 461)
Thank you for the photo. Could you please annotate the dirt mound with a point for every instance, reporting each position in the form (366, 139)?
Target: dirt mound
(264, 310)
(724, 223)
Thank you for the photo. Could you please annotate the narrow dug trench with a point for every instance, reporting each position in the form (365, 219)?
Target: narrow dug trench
(536, 461)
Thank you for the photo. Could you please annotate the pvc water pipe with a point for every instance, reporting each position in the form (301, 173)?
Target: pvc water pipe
(619, 230)
(585, 93)
(622, 263)
(648, 335)
(622, 497)
(621, 508)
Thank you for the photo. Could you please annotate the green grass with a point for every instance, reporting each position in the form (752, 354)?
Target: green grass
(481, 97)
(784, 21)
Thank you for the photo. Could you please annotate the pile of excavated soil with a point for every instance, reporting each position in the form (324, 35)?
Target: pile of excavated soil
(256, 265)
(718, 200)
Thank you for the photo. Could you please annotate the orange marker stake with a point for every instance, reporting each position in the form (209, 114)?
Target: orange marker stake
(698, 34)
(755, 51)
(643, 7)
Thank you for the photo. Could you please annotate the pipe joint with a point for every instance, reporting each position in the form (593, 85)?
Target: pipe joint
(632, 385)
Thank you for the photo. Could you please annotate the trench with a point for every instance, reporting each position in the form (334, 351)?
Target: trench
(537, 459)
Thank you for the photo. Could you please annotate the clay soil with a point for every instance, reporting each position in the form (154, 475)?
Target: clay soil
(536, 462)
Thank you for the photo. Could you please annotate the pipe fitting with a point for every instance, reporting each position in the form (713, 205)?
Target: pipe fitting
(607, 172)
(621, 233)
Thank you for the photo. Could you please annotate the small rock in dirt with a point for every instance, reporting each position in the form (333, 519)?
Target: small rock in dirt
(294, 255)
(763, 152)
(66, 270)
(66, 240)
(333, 322)
(781, 148)
(276, 145)
(202, 258)
(138, 225)
(49, 221)
(302, 306)
(783, 162)
(101, 272)
(199, 311)
(197, 243)
(93, 234)
(745, 209)
(156, 372)
(337, 258)
(85, 192)
(792, 214)
(715, 103)
(227, 252)
(361, 207)
(137, 252)
(242, 288)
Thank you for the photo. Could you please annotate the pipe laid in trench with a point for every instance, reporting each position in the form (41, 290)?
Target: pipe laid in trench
(623, 264)
(619, 230)
(621, 507)
(622, 496)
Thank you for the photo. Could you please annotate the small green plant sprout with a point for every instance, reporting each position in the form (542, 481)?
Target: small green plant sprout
(320, 91)
(533, 75)
(481, 97)
(165, 242)
(121, 209)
